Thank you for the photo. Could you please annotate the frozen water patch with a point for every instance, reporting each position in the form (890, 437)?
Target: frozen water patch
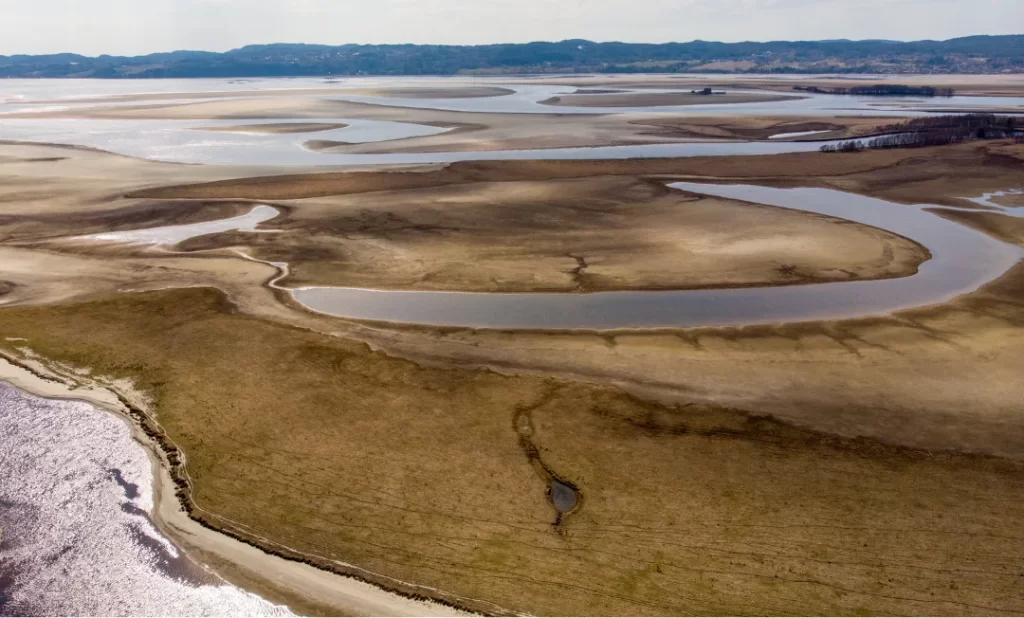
(76, 491)
(171, 235)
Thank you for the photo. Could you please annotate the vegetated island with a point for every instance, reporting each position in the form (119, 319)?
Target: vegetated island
(937, 131)
(882, 90)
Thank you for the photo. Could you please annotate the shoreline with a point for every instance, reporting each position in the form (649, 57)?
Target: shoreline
(303, 588)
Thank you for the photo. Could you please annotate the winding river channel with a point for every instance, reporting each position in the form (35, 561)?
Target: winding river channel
(75, 493)
(962, 259)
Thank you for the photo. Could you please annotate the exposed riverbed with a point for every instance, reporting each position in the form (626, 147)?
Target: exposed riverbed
(962, 259)
(76, 490)
(193, 141)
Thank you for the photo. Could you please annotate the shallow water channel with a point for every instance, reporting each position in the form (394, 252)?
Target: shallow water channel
(185, 141)
(962, 260)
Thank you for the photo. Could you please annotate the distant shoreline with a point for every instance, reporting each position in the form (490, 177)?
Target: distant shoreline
(1003, 54)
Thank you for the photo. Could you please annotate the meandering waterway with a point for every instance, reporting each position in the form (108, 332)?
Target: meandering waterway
(962, 259)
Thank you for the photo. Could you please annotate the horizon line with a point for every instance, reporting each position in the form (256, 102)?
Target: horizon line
(533, 42)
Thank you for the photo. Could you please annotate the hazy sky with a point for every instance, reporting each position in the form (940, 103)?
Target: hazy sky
(141, 26)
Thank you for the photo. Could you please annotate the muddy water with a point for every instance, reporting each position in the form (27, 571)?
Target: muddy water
(563, 497)
(962, 260)
(75, 497)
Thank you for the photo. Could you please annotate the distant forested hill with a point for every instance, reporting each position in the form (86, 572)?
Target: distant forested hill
(976, 54)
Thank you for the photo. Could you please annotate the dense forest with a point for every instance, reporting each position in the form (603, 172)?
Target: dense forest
(977, 54)
(937, 131)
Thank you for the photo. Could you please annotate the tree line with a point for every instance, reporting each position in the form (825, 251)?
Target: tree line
(937, 131)
(882, 90)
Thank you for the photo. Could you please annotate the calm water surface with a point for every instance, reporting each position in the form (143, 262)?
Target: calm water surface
(962, 260)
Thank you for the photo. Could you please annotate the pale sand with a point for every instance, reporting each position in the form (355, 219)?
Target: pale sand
(301, 586)
(659, 99)
(428, 90)
(279, 128)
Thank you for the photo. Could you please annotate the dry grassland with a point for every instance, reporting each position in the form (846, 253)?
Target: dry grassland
(694, 501)
(324, 447)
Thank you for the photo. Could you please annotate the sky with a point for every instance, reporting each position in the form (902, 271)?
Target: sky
(131, 27)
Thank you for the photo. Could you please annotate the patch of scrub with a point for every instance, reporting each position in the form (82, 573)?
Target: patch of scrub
(173, 234)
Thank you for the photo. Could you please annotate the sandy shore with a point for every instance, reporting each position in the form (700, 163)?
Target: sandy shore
(305, 589)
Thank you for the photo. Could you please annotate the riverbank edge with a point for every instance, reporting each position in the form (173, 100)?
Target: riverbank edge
(283, 577)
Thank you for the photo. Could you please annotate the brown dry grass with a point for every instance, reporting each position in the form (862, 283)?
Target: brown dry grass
(323, 446)
(320, 444)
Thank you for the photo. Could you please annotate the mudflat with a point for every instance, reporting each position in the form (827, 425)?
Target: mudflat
(760, 128)
(869, 465)
(657, 99)
(580, 235)
(279, 128)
